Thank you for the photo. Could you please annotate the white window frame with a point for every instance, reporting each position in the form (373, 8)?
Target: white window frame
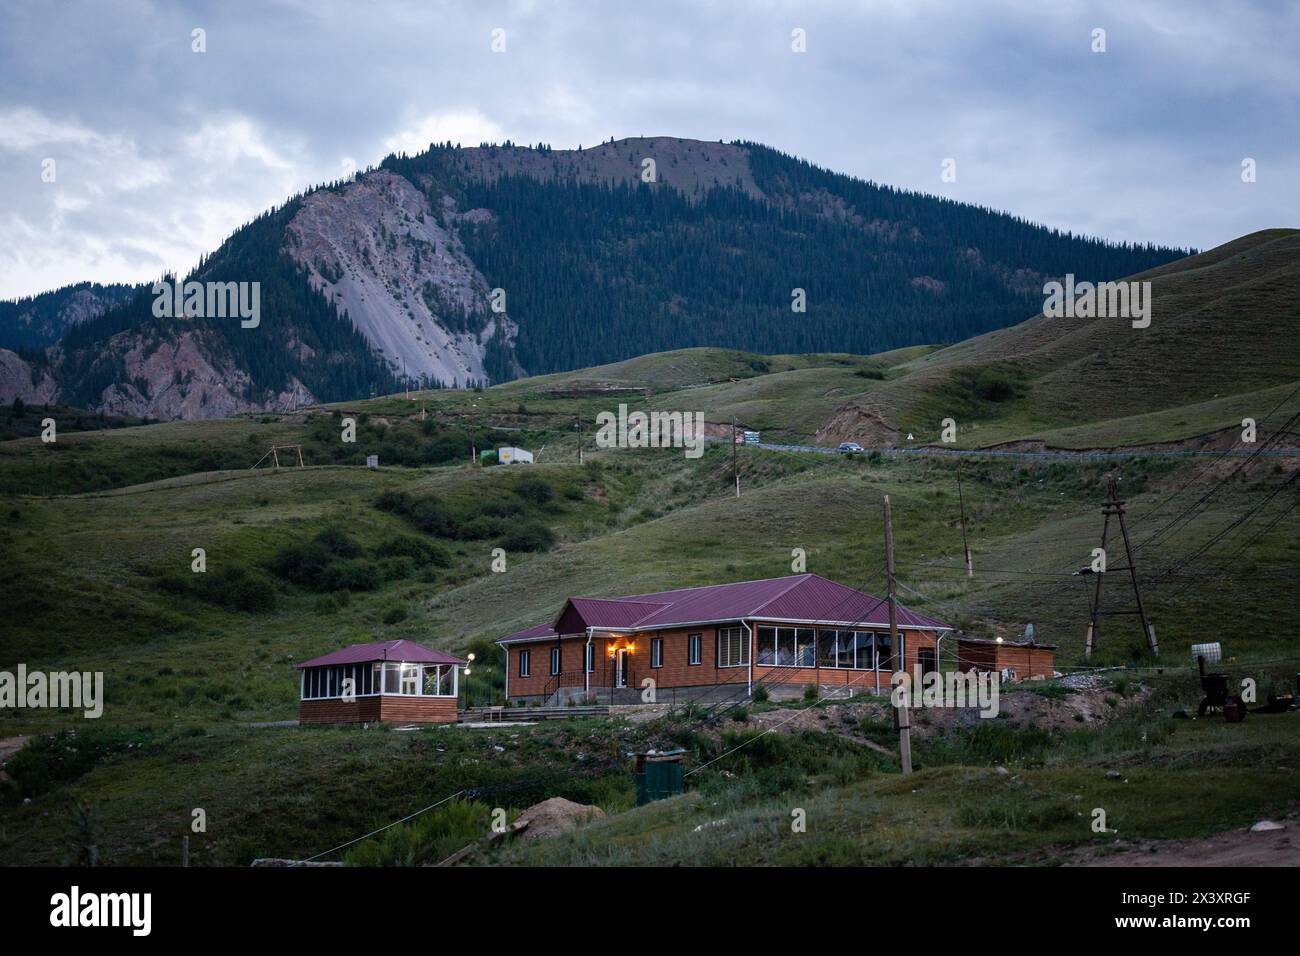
(525, 663)
(557, 661)
(739, 634)
(656, 652)
(694, 649)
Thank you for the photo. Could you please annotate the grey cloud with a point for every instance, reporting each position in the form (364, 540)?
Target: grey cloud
(161, 152)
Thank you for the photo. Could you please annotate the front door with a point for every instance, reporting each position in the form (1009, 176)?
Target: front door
(620, 668)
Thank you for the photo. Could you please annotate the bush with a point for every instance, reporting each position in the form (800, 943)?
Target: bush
(421, 551)
(535, 490)
(484, 526)
(354, 574)
(529, 536)
(431, 516)
(994, 386)
(337, 542)
(760, 695)
(302, 563)
(238, 588)
(396, 502)
(395, 615)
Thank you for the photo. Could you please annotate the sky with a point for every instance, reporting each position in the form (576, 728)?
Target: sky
(125, 152)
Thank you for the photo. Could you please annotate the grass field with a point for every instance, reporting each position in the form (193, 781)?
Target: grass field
(99, 532)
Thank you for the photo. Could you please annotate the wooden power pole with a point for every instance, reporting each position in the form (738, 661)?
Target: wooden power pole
(961, 501)
(901, 716)
(735, 474)
(1114, 508)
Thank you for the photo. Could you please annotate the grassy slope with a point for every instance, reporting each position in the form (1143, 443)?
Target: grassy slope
(1222, 324)
(82, 592)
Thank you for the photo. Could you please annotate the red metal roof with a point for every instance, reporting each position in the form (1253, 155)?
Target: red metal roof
(529, 634)
(405, 651)
(797, 598)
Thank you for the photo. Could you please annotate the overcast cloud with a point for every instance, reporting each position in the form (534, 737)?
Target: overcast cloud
(160, 152)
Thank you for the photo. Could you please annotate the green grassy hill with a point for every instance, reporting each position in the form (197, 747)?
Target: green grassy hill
(1224, 323)
(98, 533)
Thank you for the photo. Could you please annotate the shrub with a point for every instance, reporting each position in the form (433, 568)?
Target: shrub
(431, 516)
(529, 536)
(301, 563)
(760, 695)
(409, 546)
(337, 542)
(535, 490)
(354, 574)
(395, 501)
(238, 588)
(483, 526)
(395, 615)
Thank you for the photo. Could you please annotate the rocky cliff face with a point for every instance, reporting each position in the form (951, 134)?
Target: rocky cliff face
(19, 380)
(176, 379)
(378, 251)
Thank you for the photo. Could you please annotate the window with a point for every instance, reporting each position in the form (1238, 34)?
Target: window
(695, 649)
(843, 648)
(656, 652)
(767, 645)
(826, 649)
(591, 658)
(555, 661)
(525, 665)
(805, 646)
(884, 653)
(431, 680)
(733, 649)
(410, 679)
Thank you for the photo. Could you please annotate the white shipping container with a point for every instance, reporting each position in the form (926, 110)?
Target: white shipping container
(514, 456)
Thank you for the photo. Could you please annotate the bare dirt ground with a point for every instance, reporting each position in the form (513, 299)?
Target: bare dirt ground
(1230, 848)
(1021, 708)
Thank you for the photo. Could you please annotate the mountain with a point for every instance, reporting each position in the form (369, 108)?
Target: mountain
(37, 321)
(1220, 344)
(476, 265)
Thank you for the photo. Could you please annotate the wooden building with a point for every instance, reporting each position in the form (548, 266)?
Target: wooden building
(1021, 660)
(390, 680)
(723, 640)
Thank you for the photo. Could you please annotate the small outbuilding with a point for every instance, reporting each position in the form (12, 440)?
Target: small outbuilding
(1021, 660)
(514, 456)
(388, 680)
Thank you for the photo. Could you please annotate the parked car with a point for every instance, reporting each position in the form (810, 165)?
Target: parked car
(850, 448)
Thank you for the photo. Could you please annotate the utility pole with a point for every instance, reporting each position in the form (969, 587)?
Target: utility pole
(902, 718)
(578, 426)
(735, 474)
(1114, 508)
(961, 501)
